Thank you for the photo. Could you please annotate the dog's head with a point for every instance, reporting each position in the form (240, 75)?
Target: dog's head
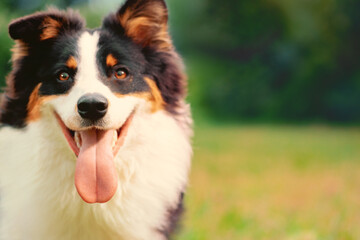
(93, 81)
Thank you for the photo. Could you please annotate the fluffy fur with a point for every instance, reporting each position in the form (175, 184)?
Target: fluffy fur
(38, 196)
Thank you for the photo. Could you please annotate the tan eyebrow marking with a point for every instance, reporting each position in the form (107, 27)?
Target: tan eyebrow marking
(71, 63)
(111, 60)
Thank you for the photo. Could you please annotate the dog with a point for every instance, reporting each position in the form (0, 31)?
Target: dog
(95, 136)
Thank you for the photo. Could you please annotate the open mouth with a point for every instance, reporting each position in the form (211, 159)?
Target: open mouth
(95, 174)
(75, 141)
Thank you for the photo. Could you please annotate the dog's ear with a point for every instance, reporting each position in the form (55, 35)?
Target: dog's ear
(45, 25)
(144, 21)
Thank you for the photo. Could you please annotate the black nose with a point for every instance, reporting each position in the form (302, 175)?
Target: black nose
(92, 106)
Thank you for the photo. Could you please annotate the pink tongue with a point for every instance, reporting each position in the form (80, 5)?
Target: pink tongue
(95, 174)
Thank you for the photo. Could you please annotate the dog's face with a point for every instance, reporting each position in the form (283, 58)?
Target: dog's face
(93, 81)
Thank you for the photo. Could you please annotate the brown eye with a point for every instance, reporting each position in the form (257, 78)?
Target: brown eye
(121, 73)
(64, 76)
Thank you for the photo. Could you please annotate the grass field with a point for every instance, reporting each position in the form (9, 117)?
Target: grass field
(274, 182)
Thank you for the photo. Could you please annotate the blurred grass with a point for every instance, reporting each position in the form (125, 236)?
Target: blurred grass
(274, 182)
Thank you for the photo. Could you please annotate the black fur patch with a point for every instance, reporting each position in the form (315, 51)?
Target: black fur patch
(129, 56)
(61, 50)
(173, 218)
(166, 69)
(30, 28)
(40, 63)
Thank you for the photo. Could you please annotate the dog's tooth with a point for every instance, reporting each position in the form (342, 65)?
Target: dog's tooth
(115, 137)
(77, 139)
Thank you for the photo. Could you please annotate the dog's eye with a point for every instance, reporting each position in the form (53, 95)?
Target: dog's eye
(64, 76)
(121, 73)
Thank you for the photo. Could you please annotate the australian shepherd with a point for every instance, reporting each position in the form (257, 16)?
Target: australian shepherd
(95, 132)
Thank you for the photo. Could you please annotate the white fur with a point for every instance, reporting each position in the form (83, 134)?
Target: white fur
(38, 196)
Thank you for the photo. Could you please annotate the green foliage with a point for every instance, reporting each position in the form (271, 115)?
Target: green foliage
(275, 59)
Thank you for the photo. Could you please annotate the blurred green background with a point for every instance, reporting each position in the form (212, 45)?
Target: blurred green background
(275, 91)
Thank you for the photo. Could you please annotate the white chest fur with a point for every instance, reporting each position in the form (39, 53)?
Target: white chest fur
(39, 200)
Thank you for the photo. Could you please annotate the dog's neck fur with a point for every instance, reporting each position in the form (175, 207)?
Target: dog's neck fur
(37, 179)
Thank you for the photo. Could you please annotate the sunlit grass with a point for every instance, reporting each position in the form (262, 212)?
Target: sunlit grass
(262, 182)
